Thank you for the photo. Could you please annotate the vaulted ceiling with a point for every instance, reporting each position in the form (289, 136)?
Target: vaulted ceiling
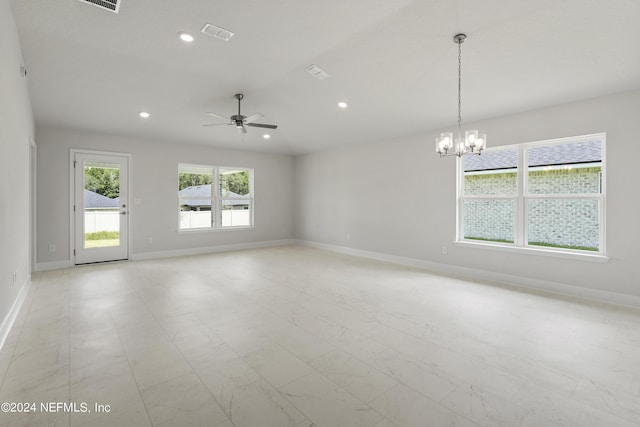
(393, 62)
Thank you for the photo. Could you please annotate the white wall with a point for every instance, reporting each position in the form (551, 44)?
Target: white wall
(154, 174)
(16, 131)
(355, 192)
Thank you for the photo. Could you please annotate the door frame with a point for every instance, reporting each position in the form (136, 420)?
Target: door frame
(72, 228)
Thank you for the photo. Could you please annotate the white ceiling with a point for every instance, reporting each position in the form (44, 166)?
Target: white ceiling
(394, 62)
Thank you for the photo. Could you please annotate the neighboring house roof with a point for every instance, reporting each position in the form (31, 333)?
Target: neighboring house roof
(565, 154)
(202, 196)
(94, 200)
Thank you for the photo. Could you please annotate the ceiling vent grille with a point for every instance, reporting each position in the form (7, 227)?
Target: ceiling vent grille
(317, 72)
(217, 32)
(110, 5)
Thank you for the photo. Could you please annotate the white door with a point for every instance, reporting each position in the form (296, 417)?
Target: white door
(101, 207)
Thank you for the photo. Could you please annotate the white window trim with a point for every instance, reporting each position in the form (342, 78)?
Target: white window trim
(216, 201)
(521, 221)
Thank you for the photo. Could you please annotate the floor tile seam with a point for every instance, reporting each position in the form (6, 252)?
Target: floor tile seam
(525, 410)
(201, 381)
(315, 315)
(477, 358)
(368, 365)
(599, 409)
(312, 333)
(133, 376)
(438, 403)
(446, 373)
(593, 342)
(313, 296)
(315, 371)
(277, 314)
(195, 372)
(577, 377)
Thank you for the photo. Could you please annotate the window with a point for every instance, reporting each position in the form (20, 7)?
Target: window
(544, 195)
(212, 197)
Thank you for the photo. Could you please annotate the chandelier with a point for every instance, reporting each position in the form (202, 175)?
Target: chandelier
(473, 143)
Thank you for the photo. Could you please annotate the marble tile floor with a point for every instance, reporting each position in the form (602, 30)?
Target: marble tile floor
(294, 336)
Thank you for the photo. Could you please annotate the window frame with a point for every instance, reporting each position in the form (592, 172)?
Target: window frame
(521, 227)
(217, 199)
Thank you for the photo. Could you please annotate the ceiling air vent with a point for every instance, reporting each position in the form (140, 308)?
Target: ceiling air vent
(317, 72)
(217, 32)
(111, 5)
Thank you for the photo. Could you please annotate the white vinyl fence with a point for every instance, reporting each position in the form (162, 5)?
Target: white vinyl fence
(110, 220)
(202, 219)
(101, 221)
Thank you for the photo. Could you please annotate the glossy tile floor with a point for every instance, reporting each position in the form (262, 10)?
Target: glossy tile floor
(293, 336)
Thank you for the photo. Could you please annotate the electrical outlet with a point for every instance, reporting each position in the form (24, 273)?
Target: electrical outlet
(444, 250)
(15, 276)
(348, 236)
(52, 248)
(150, 240)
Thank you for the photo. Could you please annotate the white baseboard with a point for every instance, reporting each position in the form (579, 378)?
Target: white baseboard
(484, 275)
(10, 318)
(54, 265)
(210, 249)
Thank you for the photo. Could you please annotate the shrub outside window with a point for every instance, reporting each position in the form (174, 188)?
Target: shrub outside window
(544, 195)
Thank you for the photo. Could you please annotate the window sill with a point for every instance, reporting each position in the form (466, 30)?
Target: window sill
(534, 251)
(213, 230)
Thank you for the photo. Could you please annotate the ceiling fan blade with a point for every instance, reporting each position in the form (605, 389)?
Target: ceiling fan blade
(218, 116)
(261, 125)
(252, 118)
(217, 124)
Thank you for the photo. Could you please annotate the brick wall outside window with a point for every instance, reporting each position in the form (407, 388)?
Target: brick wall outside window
(562, 222)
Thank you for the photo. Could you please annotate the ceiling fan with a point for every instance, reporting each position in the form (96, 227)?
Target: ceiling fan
(240, 121)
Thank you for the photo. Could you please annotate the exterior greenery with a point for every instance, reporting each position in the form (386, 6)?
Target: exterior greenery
(237, 182)
(104, 181)
(551, 245)
(102, 235)
(488, 240)
(192, 179)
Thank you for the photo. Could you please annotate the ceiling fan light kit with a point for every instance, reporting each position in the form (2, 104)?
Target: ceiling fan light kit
(473, 142)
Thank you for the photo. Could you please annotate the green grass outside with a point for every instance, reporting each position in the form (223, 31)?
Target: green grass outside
(552, 245)
(548, 245)
(102, 235)
(488, 240)
(101, 239)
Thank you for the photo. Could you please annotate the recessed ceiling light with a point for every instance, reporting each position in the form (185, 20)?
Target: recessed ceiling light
(185, 37)
(342, 104)
(266, 136)
(144, 114)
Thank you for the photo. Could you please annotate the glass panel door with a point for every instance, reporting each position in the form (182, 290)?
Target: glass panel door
(101, 208)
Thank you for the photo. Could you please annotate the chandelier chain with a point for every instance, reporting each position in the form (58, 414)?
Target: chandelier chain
(459, 87)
